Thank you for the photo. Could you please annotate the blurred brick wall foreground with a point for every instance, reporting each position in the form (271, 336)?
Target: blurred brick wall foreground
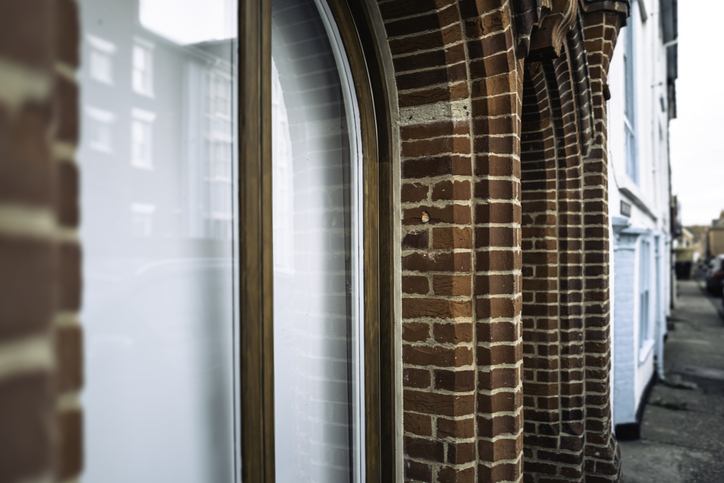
(40, 337)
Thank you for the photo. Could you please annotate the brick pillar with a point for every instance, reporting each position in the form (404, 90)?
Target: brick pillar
(541, 321)
(601, 28)
(40, 337)
(425, 40)
(496, 99)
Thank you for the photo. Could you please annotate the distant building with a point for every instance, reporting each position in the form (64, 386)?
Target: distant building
(715, 237)
(687, 252)
(643, 101)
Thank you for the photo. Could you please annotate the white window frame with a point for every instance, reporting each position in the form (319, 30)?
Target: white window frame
(219, 95)
(142, 74)
(646, 311)
(630, 108)
(142, 217)
(101, 135)
(142, 156)
(101, 51)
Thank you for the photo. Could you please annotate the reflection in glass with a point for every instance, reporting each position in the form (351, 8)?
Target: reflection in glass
(100, 59)
(142, 135)
(159, 250)
(143, 67)
(317, 251)
(99, 131)
(193, 21)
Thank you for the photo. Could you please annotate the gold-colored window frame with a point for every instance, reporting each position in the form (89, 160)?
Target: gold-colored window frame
(255, 241)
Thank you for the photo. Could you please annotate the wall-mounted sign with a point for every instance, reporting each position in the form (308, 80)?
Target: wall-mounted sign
(625, 208)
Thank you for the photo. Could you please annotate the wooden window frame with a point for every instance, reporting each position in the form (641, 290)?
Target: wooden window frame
(255, 240)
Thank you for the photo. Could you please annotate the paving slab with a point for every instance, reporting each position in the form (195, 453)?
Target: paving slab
(682, 434)
(700, 430)
(690, 400)
(648, 461)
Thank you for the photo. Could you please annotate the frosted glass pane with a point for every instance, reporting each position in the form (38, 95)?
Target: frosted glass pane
(317, 280)
(158, 164)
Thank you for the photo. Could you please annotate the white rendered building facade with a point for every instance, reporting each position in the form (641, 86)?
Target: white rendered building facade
(641, 82)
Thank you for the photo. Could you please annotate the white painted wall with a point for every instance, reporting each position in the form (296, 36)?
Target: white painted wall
(649, 199)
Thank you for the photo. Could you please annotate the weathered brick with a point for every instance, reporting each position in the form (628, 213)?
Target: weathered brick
(451, 190)
(26, 282)
(26, 32)
(461, 428)
(459, 285)
(419, 424)
(415, 331)
(415, 471)
(436, 356)
(27, 432)
(438, 404)
(26, 164)
(69, 354)
(414, 192)
(455, 380)
(452, 238)
(70, 461)
(413, 308)
(417, 378)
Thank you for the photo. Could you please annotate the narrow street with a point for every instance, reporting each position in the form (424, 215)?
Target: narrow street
(683, 425)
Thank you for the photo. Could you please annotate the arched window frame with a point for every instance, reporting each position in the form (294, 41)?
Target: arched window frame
(256, 241)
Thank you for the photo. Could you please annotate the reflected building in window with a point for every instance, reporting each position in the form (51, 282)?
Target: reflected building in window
(99, 129)
(100, 59)
(157, 195)
(143, 67)
(157, 106)
(141, 138)
(142, 219)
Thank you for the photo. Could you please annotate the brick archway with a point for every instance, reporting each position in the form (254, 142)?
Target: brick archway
(505, 316)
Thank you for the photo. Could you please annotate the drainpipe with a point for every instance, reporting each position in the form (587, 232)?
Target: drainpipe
(660, 313)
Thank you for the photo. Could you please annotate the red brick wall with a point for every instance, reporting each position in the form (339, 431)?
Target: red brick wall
(40, 337)
(601, 451)
(505, 314)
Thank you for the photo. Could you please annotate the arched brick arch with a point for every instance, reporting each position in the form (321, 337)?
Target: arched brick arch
(505, 323)
(556, 131)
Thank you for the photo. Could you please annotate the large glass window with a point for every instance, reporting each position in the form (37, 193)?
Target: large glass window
(317, 219)
(629, 62)
(159, 279)
(645, 335)
(167, 306)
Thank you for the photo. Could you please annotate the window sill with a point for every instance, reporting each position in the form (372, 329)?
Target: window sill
(145, 167)
(145, 93)
(645, 351)
(633, 192)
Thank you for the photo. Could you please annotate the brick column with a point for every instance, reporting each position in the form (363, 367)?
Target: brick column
(458, 90)
(425, 40)
(496, 93)
(541, 321)
(40, 337)
(601, 28)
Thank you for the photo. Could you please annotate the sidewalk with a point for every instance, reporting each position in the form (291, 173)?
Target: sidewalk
(683, 424)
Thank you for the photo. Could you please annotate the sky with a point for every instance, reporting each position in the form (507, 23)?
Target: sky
(190, 21)
(697, 135)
